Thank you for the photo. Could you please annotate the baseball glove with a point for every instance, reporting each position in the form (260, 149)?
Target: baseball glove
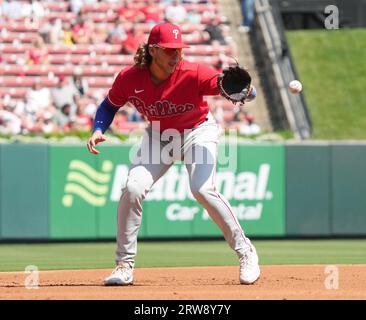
(234, 84)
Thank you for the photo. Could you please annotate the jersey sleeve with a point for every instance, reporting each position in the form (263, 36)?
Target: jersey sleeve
(115, 95)
(207, 80)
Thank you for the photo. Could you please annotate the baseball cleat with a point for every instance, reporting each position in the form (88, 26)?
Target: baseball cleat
(249, 267)
(122, 275)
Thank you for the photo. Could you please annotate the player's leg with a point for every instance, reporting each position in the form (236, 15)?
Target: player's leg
(201, 170)
(144, 172)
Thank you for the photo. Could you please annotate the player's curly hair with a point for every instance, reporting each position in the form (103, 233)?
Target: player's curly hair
(142, 57)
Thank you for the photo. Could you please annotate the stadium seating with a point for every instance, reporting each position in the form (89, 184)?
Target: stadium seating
(98, 64)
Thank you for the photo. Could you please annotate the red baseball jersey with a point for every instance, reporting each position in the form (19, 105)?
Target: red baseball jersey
(177, 103)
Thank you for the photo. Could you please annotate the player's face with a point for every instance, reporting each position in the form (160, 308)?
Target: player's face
(166, 59)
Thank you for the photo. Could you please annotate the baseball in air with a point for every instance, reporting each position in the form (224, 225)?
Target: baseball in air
(295, 86)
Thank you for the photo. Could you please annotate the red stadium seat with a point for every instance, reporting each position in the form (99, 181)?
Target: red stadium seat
(18, 27)
(18, 37)
(10, 48)
(79, 59)
(94, 16)
(56, 6)
(44, 70)
(100, 82)
(94, 82)
(86, 49)
(17, 93)
(127, 127)
(26, 81)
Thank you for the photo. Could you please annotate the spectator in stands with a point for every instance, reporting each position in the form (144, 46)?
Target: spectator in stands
(48, 126)
(80, 83)
(76, 5)
(100, 33)
(90, 109)
(117, 34)
(245, 122)
(12, 10)
(32, 12)
(135, 116)
(9, 122)
(38, 98)
(175, 13)
(66, 37)
(82, 31)
(38, 53)
(127, 13)
(119, 122)
(215, 32)
(51, 31)
(247, 10)
(65, 93)
(21, 105)
(193, 17)
(19, 109)
(153, 13)
(38, 102)
(26, 12)
(44, 124)
(208, 13)
(82, 122)
(37, 11)
(63, 116)
(135, 37)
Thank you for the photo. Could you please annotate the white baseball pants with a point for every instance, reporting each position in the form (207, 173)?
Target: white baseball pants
(198, 149)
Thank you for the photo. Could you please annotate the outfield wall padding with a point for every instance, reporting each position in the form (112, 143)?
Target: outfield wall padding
(74, 193)
(115, 158)
(308, 194)
(24, 191)
(85, 190)
(64, 192)
(348, 189)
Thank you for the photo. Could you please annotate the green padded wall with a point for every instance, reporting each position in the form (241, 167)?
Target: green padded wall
(349, 189)
(24, 191)
(308, 190)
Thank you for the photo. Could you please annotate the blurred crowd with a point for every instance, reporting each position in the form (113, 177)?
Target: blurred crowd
(63, 108)
(71, 105)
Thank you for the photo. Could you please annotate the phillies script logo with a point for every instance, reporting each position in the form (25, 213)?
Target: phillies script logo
(160, 109)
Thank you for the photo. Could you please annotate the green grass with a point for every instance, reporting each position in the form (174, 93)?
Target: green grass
(331, 65)
(15, 257)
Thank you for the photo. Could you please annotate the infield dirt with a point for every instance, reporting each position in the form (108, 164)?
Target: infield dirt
(212, 283)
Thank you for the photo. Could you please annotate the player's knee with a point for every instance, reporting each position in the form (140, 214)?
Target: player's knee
(134, 191)
(201, 193)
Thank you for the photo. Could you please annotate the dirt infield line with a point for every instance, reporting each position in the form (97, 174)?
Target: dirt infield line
(211, 283)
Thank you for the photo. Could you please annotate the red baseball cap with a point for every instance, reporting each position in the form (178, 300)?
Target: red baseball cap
(166, 35)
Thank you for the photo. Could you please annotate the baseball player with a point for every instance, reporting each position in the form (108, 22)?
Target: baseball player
(168, 91)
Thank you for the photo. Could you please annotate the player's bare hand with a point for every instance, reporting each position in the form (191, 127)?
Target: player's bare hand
(97, 137)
